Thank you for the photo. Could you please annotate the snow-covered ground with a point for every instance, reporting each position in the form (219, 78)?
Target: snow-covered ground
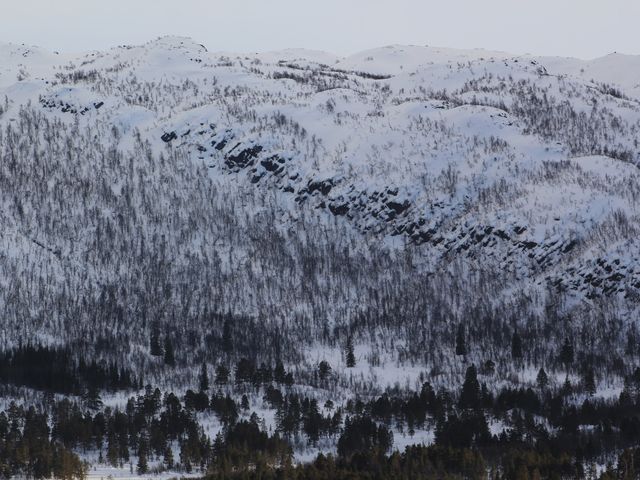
(164, 183)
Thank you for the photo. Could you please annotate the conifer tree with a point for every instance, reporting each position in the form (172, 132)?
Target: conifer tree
(279, 372)
(461, 344)
(154, 344)
(203, 378)
(143, 466)
(227, 342)
(566, 353)
(470, 395)
(567, 388)
(590, 381)
(632, 342)
(168, 457)
(626, 396)
(350, 357)
(169, 357)
(489, 367)
(112, 449)
(516, 347)
(542, 379)
(324, 369)
(222, 375)
(92, 399)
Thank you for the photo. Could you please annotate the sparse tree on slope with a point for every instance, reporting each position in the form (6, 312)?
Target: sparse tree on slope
(461, 344)
(204, 378)
(350, 357)
(169, 356)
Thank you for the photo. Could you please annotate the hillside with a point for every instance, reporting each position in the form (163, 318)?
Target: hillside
(292, 202)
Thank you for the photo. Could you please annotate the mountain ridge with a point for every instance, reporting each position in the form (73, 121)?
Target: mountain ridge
(483, 165)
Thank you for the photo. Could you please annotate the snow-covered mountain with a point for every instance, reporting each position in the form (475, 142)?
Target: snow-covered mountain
(152, 182)
(364, 228)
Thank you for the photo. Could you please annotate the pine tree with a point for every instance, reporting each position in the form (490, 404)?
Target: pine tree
(288, 379)
(204, 378)
(168, 457)
(349, 353)
(227, 341)
(542, 379)
(461, 344)
(567, 388)
(169, 357)
(632, 341)
(112, 449)
(279, 372)
(324, 369)
(92, 399)
(626, 396)
(143, 466)
(516, 346)
(590, 382)
(154, 344)
(566, 353)
(489, 367)
(470, 395)
(222, 375)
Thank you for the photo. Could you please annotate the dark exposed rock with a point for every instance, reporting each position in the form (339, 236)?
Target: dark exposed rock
(398, 207)
(168, 137)
(322, 186)
(271, 164)
(529, 245)
(243, 159)
(256, 178)
(569, 246)
(339, 210)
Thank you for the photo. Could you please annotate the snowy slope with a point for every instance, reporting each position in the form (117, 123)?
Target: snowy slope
(513, 164)
(615, 69)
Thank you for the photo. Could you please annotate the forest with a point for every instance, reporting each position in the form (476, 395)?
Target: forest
(276, 266)
(546, 434)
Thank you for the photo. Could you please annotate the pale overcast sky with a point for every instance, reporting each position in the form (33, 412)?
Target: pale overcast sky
(580, 28)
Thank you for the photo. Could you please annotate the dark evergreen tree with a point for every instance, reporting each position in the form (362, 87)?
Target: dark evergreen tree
(542, 379)
(92, 399)
(169, 356)
(154, 344)
(470, 395)
(461, 344)
(350, 357)
(632, 341)
(203, 378)
(589, 381)
(288, 379)
(324, 369)
(566, 353)
(168, 457)
(516, 347)
(112, 448)
(489, 367)
(279, 373)
(222, 375)
(362, 435)
(227, 340)
(143, 466)
(567, 388)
